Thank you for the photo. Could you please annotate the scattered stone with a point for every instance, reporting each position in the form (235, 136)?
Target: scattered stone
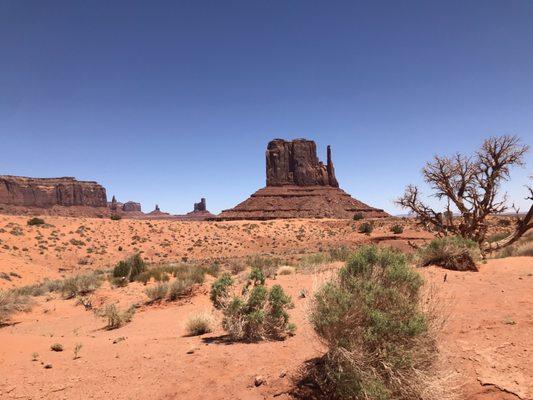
(48, 366)
(259, 380)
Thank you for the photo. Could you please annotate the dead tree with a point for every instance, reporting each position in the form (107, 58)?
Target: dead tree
(471, 186)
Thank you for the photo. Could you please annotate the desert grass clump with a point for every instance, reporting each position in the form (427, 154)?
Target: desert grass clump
(257, 313)
(286, 270)
(339, 253)
(117, 318)
(80, 285)
(267, 265)
(157, 292)
(380, 345)
(450, 252)
(12, 302)
(35, 221)
(198, 324)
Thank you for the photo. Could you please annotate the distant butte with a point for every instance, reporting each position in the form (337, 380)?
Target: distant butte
(49, 192)
(298, 185)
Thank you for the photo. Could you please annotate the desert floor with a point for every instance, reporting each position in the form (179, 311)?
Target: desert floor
(486, 343)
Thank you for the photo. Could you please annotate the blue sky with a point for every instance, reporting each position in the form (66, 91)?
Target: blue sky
(166, 102)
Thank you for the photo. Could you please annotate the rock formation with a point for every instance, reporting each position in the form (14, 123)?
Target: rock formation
(131, 206)
(296, 163)
(299, 186)
(199, 212)
(49, 192)
(201, 206)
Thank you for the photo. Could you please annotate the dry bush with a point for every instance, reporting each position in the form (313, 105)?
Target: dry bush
(198, 324)
(267, 265)
(286, 270)
(115, 317)
(12, 302)
(80, 285)
(450, 252)
(380, 340)
(470, 185)
(157, 292)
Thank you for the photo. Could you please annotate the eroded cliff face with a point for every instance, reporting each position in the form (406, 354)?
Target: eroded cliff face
(296, 163)
(48, 192)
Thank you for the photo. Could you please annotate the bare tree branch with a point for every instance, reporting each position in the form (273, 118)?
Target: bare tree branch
(471, 185)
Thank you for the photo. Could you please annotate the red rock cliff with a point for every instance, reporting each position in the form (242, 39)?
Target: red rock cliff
(48, 192)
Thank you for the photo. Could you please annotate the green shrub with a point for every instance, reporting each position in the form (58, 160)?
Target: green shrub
(116, 318)
(366, 227)
(35, 221)
(198, 324)
(450, 252)
(157, 292)
(379, 343)
(115, 217)
(396, 229)
(258, 313)
(220, 290)
(358, 216)
(130, 268)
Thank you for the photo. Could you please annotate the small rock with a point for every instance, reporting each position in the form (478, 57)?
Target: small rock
(259, 380)
(48, 366)
(282, 374)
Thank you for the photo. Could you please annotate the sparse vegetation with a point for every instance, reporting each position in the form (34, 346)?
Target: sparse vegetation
(267, 265)
(115, 317)
(198, 324)
(380, 345)
(80, 285)
(450, 252)
(157, 292)
(115, 217)
(77, 349)
(12, 302)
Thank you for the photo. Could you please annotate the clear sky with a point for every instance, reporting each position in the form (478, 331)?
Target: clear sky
(166, 102)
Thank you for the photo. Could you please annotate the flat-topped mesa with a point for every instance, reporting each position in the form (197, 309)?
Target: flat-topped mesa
(49, 192)
(131, 206)
(296, 163)
(299, 186)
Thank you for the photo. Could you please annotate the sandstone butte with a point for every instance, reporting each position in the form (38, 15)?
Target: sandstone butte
(298, 185)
